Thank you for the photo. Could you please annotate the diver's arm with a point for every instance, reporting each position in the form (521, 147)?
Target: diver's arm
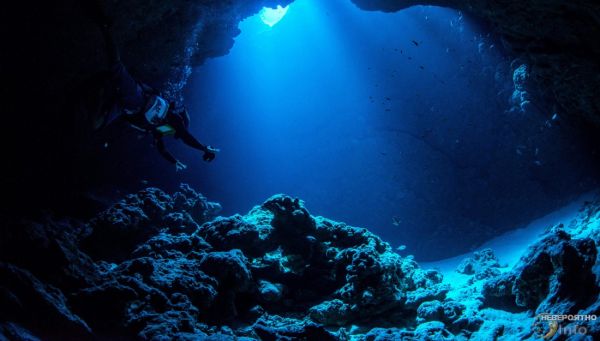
(187, 138)
(182, 133)
(160, 145)
(165, 153)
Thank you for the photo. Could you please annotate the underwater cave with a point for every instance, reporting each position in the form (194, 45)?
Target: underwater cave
(307, 169)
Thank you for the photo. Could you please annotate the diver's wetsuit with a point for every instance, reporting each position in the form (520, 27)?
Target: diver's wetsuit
(181, 132)
(135, 99)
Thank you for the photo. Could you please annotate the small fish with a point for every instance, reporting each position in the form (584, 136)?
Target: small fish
(415, 42)
(409, 58)
(396, 221)
(421, 67)
(144, 182)
(555, 117)
(438, 79)
(388, 99)
(520, 149)
(401, 248)
(538, 163)
(105, 144)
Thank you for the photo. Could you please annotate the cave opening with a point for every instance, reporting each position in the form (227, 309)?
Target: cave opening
(416, 125)
(271, 16)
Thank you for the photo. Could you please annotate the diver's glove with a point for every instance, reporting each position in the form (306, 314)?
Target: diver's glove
(179, 166)
(210, 153)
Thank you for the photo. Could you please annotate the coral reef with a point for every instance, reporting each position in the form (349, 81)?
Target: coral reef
(160, 266)
(483, 264)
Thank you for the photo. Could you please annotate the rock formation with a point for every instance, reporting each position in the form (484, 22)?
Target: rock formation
(162, 266)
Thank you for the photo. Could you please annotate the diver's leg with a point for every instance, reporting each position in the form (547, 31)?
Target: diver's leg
(127, 88)
(112, 51)
(95, 11)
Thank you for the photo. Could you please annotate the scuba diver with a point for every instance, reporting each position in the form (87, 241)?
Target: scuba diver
(144, 109)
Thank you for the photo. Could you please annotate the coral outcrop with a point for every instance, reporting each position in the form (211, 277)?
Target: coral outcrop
(483, 264)
(162, 266)
(159, 266)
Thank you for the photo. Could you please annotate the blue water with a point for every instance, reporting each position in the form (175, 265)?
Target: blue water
(366, 116)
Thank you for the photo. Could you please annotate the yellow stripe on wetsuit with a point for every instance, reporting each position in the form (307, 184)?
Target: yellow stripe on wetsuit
(165, 130)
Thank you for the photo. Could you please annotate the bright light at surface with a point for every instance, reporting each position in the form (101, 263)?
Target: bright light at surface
(272, 16)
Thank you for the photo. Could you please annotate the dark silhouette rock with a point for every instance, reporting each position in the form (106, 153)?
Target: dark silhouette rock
(40, 308)
(115, 233)
(277, 273)
(556, 275)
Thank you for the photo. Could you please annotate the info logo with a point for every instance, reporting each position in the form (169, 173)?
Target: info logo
(546, 326)
(543, 328)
